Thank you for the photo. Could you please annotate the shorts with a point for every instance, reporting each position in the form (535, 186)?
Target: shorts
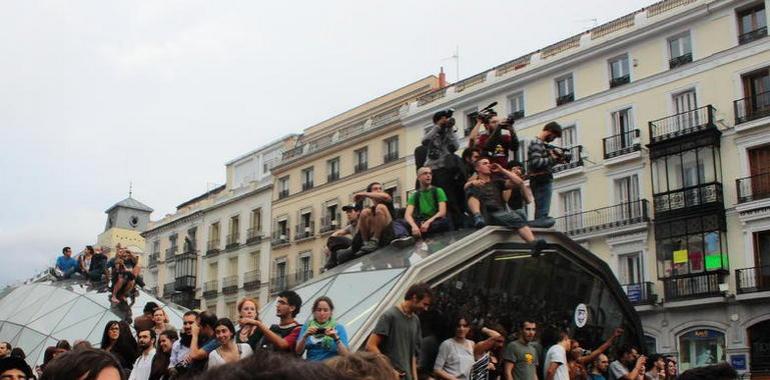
(438, 225)
(515, 218)
(387, 235)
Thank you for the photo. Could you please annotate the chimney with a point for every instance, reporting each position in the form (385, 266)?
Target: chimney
(442, 78)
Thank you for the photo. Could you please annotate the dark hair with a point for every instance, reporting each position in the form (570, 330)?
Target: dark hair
(553, 127)
(515, 163)
(172, 335)
(81, 344)
(64, 344)
(267, 365)
(64, 250)
(13, 362)
(293, 299)
(554, 335)
(419, 290)
(369, 187)
(626, 349)
(7, 345)
(227, 323)
(125, 347)
(17, 352)
(323, 299)
(85, 364)
(468, 153)
(151, 331)
(362, 365)
(150, 307)
(526, 320)
(191, 312)
(651, 361)
(90, 249)
(207, 318)
(722, 371)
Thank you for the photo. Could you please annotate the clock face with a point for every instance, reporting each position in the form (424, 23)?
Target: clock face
(133, 221)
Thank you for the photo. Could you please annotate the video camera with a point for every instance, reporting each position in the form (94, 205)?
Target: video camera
(564, 156)
(448, 114)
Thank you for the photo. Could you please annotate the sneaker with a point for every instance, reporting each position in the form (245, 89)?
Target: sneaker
(403, 242)
(370, 246)
(544, 222)
(478, 221)
(537, 247)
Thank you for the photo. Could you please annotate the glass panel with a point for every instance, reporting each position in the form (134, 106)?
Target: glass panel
(9, 303)
(79, 330)
(674, 167)
(55, 299)
(695, 252)
(713, 251)
(83, 308)
(706, 158)
(97, 330)
(47, 322)
(690, 171)
(665, 258)
(48, 343)
(9, 331)
(35, 297)
(350, 288)
(22, 316)
(29, 339)
(308, 295)
(355, 317)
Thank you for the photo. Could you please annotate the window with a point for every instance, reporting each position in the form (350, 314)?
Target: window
(701, 348)
(333, 169)
(231, 309)
(568, 137)
(470, 121)
(627, 199)
(232, 266)
(213, 273)
(305, 225)
(307, 179)
(190, 239)
(280, 275)
(630, 268)
(172, 241)
(752, 24)
(691, 168)
(680, 50)
(213, 243)
(283, 187)
(619, 71)
(391, 149)
(570, 208)
(254, 261)
(361, 158)
(305, 269)
(624, 135)
(331, 217)
(689, 246)
(156, 246)
(565, 90)
(685, 108)
(283, 229)
(234, 231)
(516, 104)
(255, 222)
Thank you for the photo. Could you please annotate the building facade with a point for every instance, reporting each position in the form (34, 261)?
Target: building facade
(125, 222)
(332, 161)
(667, 114)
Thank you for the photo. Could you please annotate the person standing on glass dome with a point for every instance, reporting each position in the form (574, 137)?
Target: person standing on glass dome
(323, 337)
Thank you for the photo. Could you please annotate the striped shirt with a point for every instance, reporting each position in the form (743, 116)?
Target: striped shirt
(540, 163)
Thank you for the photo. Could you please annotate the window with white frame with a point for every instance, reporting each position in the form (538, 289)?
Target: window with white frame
(627, 206)
(568, 136)
(571, 206)
(565, 89)
(680, 46)
(619, 71)
(516, 104)
(630, 268)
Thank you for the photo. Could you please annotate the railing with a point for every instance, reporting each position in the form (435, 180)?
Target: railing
(642, 293)
(751, 108)
(303, 276)
(154, 291)
(307, 185)
(576, 161)
(679, 61)
(303, 231)
(688, 197)
(606, 218)
(253, 235)
(230, 285)
(212, 247)
(233, 240)
(168, 289)
(431, 96)
(564, 99)
(185, 271)
(361, 166)
(171, 252)
(692, 286)
(620, 144)
(186, 299)
(333, 177)
(152, 260)
(517, 115)
(283, 194)
(328, 224)
(251, 280)
(210, 289)
(390, 156)
(470, 82)
(752, 35)
(280, 239)
(753, 188)
(293, 152)
(682, 124)
(279, 283)
(619, 81)
(750, 280)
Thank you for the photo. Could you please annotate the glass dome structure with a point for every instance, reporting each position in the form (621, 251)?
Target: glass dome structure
(37, 315)
(489, 275)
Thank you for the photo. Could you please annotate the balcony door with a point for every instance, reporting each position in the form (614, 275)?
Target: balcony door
(626, 198)
(685, 104)
(756, 86)
(762, 258)
(571, 205)
(759, 170)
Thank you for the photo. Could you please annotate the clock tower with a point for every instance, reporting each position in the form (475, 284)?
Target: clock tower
(125, 221)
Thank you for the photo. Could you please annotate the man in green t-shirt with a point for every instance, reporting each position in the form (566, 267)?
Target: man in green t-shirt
(426, 207)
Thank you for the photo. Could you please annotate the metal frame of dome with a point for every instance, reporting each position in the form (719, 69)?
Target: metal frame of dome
(37, 315)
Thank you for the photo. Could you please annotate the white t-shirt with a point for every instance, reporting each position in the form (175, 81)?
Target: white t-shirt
(215, 359)
(557, 354)
(142, 366)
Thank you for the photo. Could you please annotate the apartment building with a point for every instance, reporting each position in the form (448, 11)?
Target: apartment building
(332, 161)
(667, 114)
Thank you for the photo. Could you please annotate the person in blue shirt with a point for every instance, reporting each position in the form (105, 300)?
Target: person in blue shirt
(66, 265)
(322, 337)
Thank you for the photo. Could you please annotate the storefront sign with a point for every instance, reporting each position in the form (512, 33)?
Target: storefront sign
(581, 315)
(738, 362)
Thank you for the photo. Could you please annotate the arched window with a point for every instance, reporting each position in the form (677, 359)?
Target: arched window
(700, 348)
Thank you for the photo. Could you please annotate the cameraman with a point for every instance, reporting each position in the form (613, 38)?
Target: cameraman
(441, 143)
(540, 171)
(494, 144)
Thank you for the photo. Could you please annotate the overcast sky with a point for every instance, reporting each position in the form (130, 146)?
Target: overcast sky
(97, 94)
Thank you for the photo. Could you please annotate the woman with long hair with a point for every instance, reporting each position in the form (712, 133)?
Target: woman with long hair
(84, 260)
(323, 337)
(249, 318)
(228, 351)
(455, 355)
(117, 340)
(671, 370)
(162, 357)
(160, 322)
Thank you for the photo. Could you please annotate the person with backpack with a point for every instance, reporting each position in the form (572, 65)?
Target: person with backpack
(427, 207)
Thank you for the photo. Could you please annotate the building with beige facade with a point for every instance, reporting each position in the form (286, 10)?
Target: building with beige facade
(667, 113)
(332, 161)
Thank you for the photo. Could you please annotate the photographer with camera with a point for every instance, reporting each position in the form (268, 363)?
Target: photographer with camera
(542, 158)
(494, 144)
(441, 143)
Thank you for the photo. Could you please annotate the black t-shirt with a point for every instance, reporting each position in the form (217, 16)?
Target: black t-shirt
(289, 333)
(491, 195)
(516, 201)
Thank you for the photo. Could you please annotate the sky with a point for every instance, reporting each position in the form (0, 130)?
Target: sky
(95, 95)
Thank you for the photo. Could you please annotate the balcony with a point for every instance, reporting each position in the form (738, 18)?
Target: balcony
(333, 177)
(304, 231)
(307, 185)
(283, 194)
(751, 280)
(152, 260)
(693, 196)
(679, 61)
(280, 239)
(185, 271)
(576, 161)
(303, 276)
(564, 99)
(609, 219)
(279, 283)
(360, 167)
(210, 289)
(753, 188)
(230, 285)
(233, 241)
(212, 247)
(330, 224)
(253, 235)
(752, 35)
(390, 157)
(168, 289)
(619, 81)
(171, 253)
(692, 286)
(620, 144)
(751, 108)
(251, 280)
(186, 300)
(642, 293)
(682, 124)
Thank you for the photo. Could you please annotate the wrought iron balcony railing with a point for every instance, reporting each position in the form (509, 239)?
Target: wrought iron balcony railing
(283, 194)
(307, 185)
(604, 219)
(692, 286)
(642, 293)
(753, 188)
(210, 289)
(230, 285)
(304, 231)
(280, 238)
(621, 144)
(619, 81)
(699, 195)
(576, 161)
(679, 61)
(253, 235)
(751, 108)
(171, 252)
(752, 35)
(750, 280)
(233, 241)
(361, 166)
(303, 276)
(564, 99)
(682, 124)
(168, 289)
(333, 177)
(212, 246)
(251, 280)
(329, 224)
(390, 157)
(152, 260)
(279, 283)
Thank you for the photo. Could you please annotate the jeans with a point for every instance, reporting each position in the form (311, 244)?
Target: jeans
(542, 190)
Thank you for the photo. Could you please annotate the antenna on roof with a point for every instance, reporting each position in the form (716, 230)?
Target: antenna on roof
(594, 21)
(456, 57)
(130, 188)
